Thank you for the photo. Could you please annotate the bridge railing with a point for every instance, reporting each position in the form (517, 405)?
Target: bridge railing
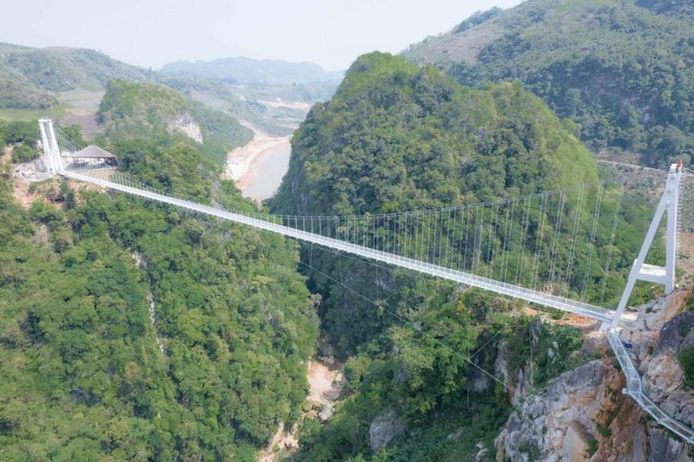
(544, 241)
(529, 295)
(635, 389)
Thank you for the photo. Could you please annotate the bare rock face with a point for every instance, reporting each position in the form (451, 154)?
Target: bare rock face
(663, 373)
(663, 447)
(658, 334)
(187, 125)
(559, 423)
(678, 333)
(326, 413)
(520, 382)
(582, 414)
(383, 429)
(648, 330)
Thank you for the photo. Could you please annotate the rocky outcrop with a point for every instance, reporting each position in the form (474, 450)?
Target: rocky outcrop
(558, 423)
(583, 415)
(383, 429)
(657, 335)
(519, 382)
(153, 318)
(185, 123)
(663, 447)
(664, 378)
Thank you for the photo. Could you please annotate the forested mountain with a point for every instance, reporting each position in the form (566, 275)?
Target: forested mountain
(246, 70)
(398, 137)
(70, 82)
(623, 70)
(30, 77)
(131, 110)
(132, 331)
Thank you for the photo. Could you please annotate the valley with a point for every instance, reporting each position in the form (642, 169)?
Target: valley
(245, 164)
(361, 317)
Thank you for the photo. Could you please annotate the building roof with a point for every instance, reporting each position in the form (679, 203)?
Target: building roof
(92, 152)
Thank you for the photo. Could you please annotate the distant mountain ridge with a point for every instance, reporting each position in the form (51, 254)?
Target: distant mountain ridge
(70, 81)
(623, 70)
(247, 70)
(61, 68)
(30, 77)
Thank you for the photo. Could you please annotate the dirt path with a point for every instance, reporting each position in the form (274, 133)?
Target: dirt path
(325, 383)
(243, 163)
(568, 319)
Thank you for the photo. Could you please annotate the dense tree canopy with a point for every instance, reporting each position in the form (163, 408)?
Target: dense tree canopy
(621, 71)
(132, 110)
(397, 137)
(133, 331)
(23, 135)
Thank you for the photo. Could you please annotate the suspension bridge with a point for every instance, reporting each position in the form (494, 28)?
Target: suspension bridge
(546, 249)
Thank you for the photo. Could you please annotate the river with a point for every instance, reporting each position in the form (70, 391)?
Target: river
(274, 165)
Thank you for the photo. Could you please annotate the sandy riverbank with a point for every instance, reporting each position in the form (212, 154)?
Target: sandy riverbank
(243, 163)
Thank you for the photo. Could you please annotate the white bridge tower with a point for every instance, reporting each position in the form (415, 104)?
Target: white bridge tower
(642, 271)
(51, 150)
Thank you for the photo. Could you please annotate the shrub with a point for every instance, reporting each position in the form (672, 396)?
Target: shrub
(24, 153)
(686, 359)
(604, 430)
(592, 446)
(19, 132)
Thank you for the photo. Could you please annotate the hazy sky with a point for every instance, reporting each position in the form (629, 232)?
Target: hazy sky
(153, 32)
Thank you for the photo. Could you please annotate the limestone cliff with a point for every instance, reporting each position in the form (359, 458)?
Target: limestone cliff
(583, 415)
(186, 124)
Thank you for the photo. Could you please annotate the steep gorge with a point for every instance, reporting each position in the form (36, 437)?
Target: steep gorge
(235, 318)
(397, 137)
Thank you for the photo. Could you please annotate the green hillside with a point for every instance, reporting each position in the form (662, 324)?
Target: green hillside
(133, 110)
(60, 82)
(197, 352)
(623, 72)
(399, 137)
(412, 138)
(396, 137)
(17, 92)
(133, 104)
(30, 77)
